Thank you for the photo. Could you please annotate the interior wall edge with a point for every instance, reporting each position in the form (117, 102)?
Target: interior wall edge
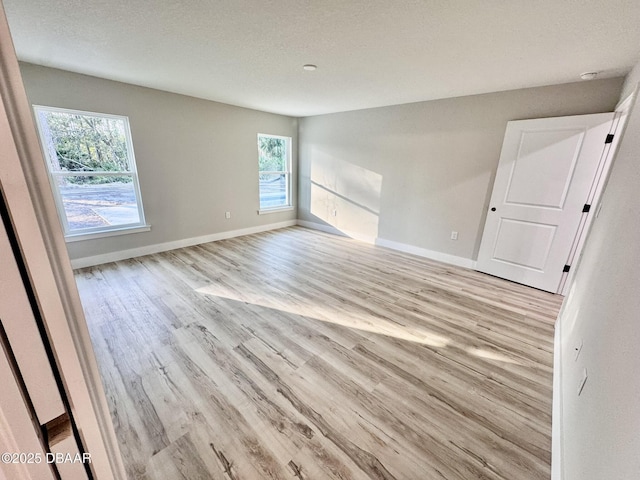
(595, 424)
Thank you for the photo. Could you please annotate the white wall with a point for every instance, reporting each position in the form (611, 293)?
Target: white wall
(630, 82)
(601, 427)
(413, 173)
(196, 159)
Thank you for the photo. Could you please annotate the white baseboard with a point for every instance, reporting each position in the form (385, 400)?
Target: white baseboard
(163, 247)
(187, 242)
(402, 247)
(556, 414)
(423, 252)
(322, 227)
(343, 233)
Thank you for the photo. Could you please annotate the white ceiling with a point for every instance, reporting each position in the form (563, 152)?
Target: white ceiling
(369, 52)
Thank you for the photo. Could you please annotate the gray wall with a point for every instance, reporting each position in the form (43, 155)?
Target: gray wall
(413, 173)
(601, 427)
(196, 159)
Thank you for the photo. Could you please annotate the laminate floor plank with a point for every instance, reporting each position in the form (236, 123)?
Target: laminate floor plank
(491, 290)
(384, 434)
(433, 374)
(402, 433)
(366, 303)
(232, 418)
(495, 349)
(295, 354)
(319, 404)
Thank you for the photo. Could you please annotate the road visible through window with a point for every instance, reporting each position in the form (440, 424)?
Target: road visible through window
(88, 206)
(273, 191)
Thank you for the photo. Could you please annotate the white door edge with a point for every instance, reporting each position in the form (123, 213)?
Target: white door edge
(621, 115)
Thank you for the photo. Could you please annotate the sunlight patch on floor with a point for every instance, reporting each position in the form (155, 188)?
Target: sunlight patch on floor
(358, 321)
(489, 355)
(367, 323)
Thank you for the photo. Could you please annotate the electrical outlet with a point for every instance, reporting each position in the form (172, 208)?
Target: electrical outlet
(227, 215)
(454, 235)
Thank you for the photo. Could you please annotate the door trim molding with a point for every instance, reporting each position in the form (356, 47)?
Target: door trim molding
(621, 115)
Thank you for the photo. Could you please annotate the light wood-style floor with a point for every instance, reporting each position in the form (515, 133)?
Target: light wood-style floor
(295, 354)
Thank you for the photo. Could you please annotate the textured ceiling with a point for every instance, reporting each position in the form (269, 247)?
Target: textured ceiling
(369, 53)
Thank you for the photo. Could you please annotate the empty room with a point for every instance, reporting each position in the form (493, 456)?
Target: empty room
(319, 240)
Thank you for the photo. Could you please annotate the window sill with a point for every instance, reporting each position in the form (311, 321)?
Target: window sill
(275, 210)
(77, 237)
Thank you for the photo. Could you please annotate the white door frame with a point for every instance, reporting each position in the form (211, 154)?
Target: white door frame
(617, 130)
(27, 193)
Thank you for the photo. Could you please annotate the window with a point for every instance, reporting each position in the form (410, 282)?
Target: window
(274, 172)
(92, 171)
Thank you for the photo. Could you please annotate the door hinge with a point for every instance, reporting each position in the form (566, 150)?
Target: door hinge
(586, 208)
(566, 268)
(609, 138)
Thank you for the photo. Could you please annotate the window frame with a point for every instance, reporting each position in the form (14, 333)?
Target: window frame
(100, 231)
(287, 173)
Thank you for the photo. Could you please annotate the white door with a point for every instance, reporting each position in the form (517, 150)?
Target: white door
(546, 170)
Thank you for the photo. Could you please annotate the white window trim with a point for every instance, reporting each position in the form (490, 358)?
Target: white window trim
(94, 232)
(78, 237)
(266, 211)
(288, 174)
